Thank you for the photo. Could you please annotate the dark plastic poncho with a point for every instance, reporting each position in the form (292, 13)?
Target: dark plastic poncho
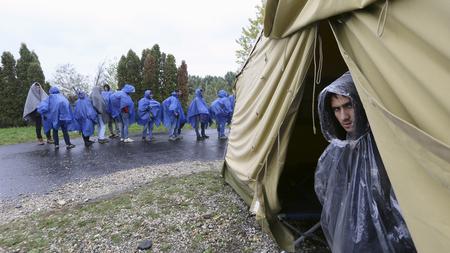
(55, 110)
(99, 103)
(360, 211)
(221, 109)
(173, 111)
(120, 100)
(85, 114)
(107, 98)
(35, 96)
(198, 107)
(149, 110)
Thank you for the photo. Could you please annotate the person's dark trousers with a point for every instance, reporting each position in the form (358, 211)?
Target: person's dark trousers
(86, 140)
(38, 121)
(203, 127)
(197, 124)
(65, 134)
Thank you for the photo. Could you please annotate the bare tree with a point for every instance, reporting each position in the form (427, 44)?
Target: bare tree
(106, 74)
(69, 80)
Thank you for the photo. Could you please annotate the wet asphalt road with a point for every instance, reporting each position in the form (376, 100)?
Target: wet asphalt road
(28, 168)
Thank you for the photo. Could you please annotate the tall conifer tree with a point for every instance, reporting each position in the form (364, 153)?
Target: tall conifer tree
(8, 117)
(182, 83)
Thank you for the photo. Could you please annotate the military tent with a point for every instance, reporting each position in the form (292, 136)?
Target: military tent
(397, 52)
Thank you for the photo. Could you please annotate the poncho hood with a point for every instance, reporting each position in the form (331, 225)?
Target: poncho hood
(331, 129)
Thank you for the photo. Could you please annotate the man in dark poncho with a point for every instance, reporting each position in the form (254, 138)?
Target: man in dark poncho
(86, 117)
(198, 115)
(36, 95)
(221, 111)
(57, 113)
(149, 114)
(360, 211)
(173, 115)
(112, 123)
(122, 108)
(102, 113)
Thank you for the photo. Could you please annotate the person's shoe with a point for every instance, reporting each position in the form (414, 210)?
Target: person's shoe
(40, 142)
(70, 146)
(200, 138)
(172, 138)
(50, 141)
(179, 137)
(103, 141)
(56, 147)
(121, 139)
(223, 137)
(87, 144)
(205, 136)
(144, 139)
(128, 140)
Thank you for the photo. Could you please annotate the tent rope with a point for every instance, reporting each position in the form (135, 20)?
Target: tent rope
(285, 55)
(278, 148)
(382, 19)
(317, 74)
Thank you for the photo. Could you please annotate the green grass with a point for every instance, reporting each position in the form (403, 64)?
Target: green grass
(117, 219)
(16, 135)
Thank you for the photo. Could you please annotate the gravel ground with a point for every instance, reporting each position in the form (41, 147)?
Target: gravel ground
(179, 207)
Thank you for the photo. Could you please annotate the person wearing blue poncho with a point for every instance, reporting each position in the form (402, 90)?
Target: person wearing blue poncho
(86, 117)
(221, 112)
(113, 130)
(173, 115)
(122, 108)
(57, 113)
(148, 114)
(198, 114)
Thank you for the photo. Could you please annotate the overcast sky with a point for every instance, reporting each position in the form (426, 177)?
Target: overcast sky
(86, 32)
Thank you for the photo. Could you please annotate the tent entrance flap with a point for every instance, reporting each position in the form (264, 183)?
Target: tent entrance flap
(296, 183)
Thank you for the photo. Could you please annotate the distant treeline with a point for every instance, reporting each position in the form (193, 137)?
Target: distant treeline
(154, 70)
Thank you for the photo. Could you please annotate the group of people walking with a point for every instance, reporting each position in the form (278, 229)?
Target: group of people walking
(116, 109)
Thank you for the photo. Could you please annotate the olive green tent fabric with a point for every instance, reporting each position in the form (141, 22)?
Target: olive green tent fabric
(403, 78)
(282, 18)
(262, 120)
(398, 54)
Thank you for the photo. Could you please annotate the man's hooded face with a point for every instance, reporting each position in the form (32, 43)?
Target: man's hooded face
(342, 108)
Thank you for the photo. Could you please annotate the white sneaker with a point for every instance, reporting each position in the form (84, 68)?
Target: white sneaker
(128, 140)
(121, 139)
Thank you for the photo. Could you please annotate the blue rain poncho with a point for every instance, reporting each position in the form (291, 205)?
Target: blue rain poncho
(149, 110)
(360, 211)
(173, 111)
(85, 114)
(198, 107)
(220, 109)
(35, 96)
(121, 102)
(56, 110)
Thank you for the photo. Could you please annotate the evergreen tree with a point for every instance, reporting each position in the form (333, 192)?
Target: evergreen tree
(230, 77)
(133, 74)
(250, 34)
(149, 74)
(182, 83)
(155, 52)
(169, 74)
(9, 116)
(121, 72)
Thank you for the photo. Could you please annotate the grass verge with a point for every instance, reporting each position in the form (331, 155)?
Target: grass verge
(193, 213)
